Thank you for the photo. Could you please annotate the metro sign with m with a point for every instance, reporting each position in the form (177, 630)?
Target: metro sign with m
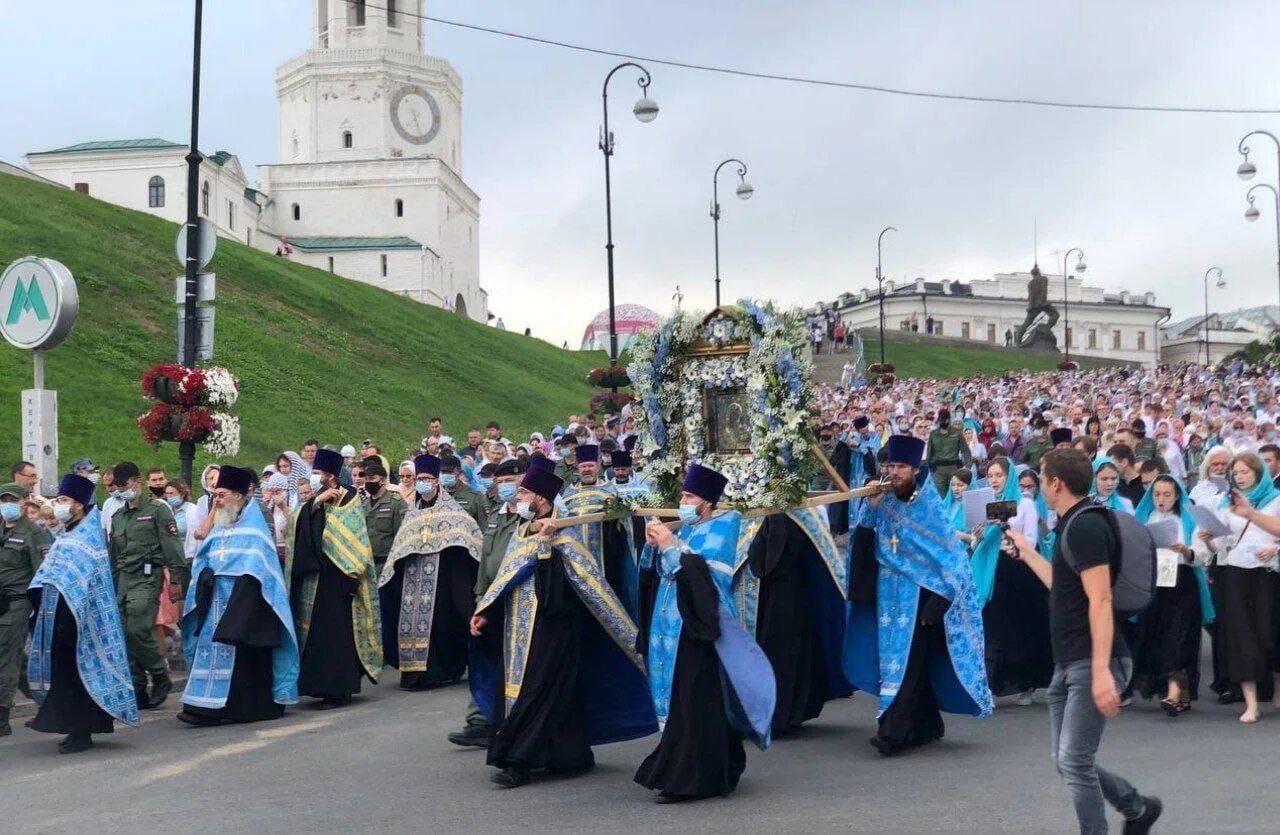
(27, 297)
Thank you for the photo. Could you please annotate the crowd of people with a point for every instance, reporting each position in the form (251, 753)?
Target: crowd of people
(495, 561)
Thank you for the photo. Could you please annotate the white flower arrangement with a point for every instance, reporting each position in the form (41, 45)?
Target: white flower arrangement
(221, 387)
(224, 440)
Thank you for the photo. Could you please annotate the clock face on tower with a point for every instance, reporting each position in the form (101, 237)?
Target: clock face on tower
(415, 114)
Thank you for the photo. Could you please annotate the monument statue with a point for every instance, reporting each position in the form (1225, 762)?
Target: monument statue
(1036, 331)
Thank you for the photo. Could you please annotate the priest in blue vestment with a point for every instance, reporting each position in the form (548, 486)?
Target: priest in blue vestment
(558, 672)
(711, 682)
(864, 447)
(915, 625)
(237, 628)
(79, 669)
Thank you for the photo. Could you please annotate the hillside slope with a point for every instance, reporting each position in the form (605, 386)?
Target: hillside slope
(317, 355)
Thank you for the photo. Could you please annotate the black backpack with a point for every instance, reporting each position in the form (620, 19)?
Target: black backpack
(1133, 574)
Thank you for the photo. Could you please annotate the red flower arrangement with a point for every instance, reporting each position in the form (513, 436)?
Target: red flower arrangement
(610, 377)
(610, 402)
(167, 422)
(1068, 365)
(172, 383)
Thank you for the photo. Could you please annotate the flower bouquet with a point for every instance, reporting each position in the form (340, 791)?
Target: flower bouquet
(608, 378)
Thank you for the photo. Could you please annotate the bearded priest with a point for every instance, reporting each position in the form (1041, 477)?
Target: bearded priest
(333, 590)
(237, 628)
(914, 637)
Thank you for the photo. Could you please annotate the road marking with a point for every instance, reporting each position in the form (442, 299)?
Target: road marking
(261, 739)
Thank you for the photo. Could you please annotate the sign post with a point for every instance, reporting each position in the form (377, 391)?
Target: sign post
(39, 304)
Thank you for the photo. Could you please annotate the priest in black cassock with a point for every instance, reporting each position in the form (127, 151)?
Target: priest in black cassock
(914, 637)
(333, 590)
(560, 672)
(237, 629)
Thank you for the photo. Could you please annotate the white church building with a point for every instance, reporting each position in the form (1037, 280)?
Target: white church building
(369, 184)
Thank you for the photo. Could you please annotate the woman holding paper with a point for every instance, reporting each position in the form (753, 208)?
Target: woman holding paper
(1168, 647)
(1015, 615)
(1247, 553)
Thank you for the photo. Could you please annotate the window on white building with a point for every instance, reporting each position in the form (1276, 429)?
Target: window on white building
(1115, 340)
(399, 207)
(964, 330)
(1142, 340)
(155, 192)
(204, 199)
(297, 212)
(348, 140)
(384, 265)
(330, 263)
(355, 12)
(82, 188)
(1093, 338)
(991, 333)
(231, 215)
(393, 19)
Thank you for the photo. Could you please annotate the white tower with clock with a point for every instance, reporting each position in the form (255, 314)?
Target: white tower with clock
(369, 183)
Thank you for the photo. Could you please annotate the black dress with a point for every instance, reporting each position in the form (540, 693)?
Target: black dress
(699, 754)
(546, 727)
(250, 625)
(331, 666)
(1015, 625)
(914, 717)
(68, 708)
(785, 622)
(450, 619)
(1169, 637)
(1248, 630)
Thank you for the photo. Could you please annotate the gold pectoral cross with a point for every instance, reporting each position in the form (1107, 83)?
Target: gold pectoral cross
(893, 543)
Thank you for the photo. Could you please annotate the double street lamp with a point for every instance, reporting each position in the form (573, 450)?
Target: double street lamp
(1222, 282)
(744, 192)
(880, 284)
(1247, 171)
(1066, 318)
(646, 110)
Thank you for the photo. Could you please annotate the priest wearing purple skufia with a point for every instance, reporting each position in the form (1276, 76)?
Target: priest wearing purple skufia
(915, 625)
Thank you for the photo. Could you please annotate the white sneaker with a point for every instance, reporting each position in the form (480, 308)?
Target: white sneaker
(1024, 698)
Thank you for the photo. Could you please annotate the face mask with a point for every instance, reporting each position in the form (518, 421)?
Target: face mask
(127, 495)
(316, 483)
(524, 510)
(486, 483)
(62, 512)
(507, 491)
(94, 477)
(448, 480)
(174, 501)
(688, 513)
(424, 488)
(373, 487)
(10, 511)
(158, 492)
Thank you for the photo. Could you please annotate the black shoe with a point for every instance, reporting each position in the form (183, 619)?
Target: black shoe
(75, 743)
(331, 702)
(665, 798)
(161, 687)
(1152, 807)
(30, 723)
(198, 721)
(885, 747)
(1230, 697)
(511, 778)
(473, 736)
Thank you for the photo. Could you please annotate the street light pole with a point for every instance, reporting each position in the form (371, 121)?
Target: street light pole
(1246, 171)
(190, 318)
(880, 284)
(646, 110)
(1221, 283)
(1066, 318)
(744, 192)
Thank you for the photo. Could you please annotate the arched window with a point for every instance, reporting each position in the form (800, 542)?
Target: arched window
(399, 207)
(347, 139)
(204, 199)
(155, 192)
(297, 212)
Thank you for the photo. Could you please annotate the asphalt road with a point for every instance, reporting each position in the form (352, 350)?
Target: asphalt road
(383, 765)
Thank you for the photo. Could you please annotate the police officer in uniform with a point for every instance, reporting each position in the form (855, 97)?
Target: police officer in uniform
(144, 541)
(383, 511)
(22, 547)
(453, 480)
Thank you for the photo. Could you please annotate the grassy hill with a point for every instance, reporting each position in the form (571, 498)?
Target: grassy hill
(317, 355)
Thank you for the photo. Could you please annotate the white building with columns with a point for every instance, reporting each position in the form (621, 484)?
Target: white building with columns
(1119, 326)
(369, 184)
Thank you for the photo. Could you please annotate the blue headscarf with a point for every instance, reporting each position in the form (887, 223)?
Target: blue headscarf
(1113, 501)
(987, 554)
(953, 509)
(1144, 510)
(1263, 493)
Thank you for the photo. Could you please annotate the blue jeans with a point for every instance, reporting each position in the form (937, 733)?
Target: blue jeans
(1076, 729)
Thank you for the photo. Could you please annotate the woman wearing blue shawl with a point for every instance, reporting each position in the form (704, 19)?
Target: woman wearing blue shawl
(1168, 645)
(1106, 477)
(1029, 487)
(1015, 617)
(1247, 556)
(953, 504)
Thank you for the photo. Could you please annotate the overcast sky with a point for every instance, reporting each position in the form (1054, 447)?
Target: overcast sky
(1152, 198)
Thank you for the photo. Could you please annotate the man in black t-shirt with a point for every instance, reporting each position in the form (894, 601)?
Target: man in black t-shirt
(1091, 661)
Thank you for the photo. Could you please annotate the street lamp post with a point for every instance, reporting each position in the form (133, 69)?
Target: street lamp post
(1066, 318)
(190, 319)
(1246, 171)
(646, 110)
(1221, 283)
(880, 284)
(744, 192)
